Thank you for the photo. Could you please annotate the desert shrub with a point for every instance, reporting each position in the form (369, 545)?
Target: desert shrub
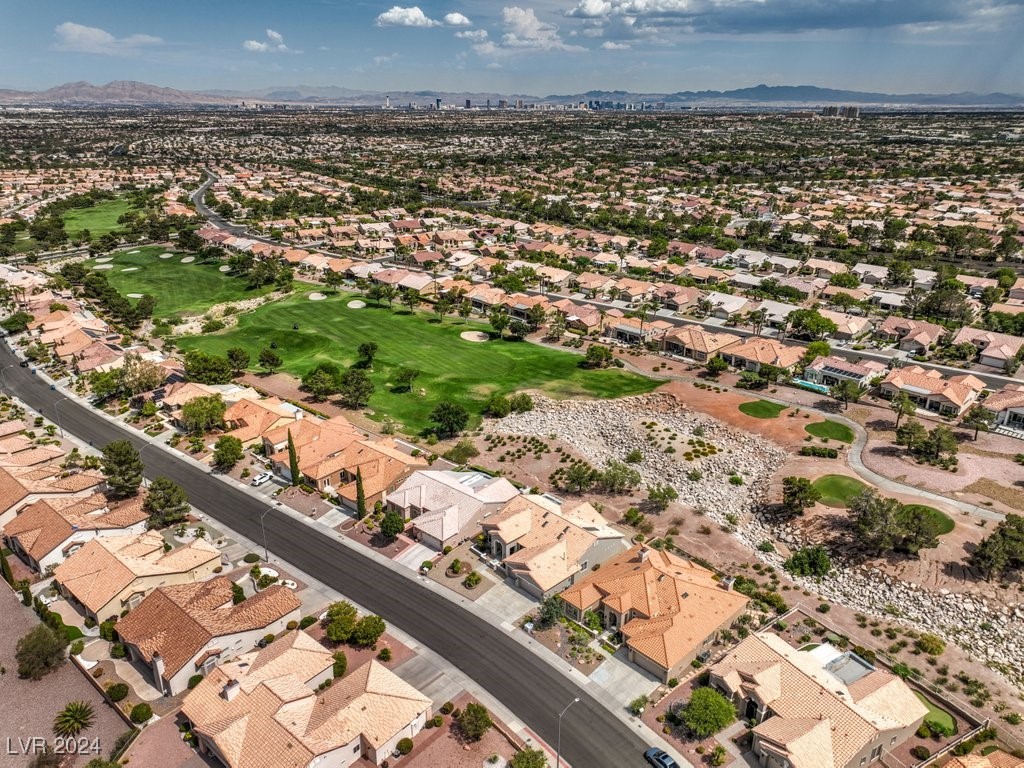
(141, 713)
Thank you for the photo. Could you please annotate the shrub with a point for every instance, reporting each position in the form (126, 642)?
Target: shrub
(77, 647)
(117, 651)
(340, 664)
(119, 691)
(291, 625)
(707, 712)
(447, 708)
(932, 645)
(474, 721)
(824, 608)
(673, 682)
(368, 630)
(141, 713)
(426, 565)
(637, 705)
(384, 654)
(194, 681)
(920, 752)
(404, 746)
(438, 721)
(307, 621)
(924, 732)
(472, 580)
(251, 558)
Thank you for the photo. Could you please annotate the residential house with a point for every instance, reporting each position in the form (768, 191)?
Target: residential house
(912, 335)
(266, 709)
(634, 291)
(825, 268)
(593, 282)
(677, 298)
(996, 350)
(848, 327)
(112, 574)
(544, 547)
(725, 306)
(668, 609)
(20, 486)
(631, 330)
(831, 370)
(822, 708)
(248, 420)
(705, 275)
(1016, 292)
(446, 507)
(749, 259)
(930, 391)
(185, 630)
(47, 532)
(696, 342)
(975, 285)
(872, 274)
(997, 758)
(886, 300)
(1008, 406)
(784, 265)
(754, 351)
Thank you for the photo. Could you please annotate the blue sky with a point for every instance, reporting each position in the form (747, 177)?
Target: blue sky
(519, 46)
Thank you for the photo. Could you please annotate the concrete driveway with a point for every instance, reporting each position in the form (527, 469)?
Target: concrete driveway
(622, 678)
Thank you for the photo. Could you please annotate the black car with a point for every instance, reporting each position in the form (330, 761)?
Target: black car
(23, 363)
(659, 758)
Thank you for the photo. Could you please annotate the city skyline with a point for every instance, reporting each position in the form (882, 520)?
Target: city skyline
(539, 47)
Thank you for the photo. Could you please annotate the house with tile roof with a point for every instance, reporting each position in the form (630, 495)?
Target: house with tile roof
(929, 390)
(912, 335)
(264, 710)
(995, 759)
(996, 350)
(180, 631)
(446, 507)
(542, 546)
(831, 370)
(754, 351)
(248, 420)
(696, 342)
(822, 708)
(21, 486)
(1008, 406)
(668, 609)
(48, 531)
(113, 574)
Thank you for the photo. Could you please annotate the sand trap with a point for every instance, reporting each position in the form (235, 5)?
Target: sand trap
(224, 268)
(130, 269)
(316, 297)
(356, 304)
(166, 255)
(130, 252)
(134, 295)
(474, 336)
(104, 266)
(104, 259)
(188, 259)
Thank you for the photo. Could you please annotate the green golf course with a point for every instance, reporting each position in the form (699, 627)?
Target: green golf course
(838, 490)
(99, 219)
(189, 288)
(306, 332)
(762, 409)
(831, 430)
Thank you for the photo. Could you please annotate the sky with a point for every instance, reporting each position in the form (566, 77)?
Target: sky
(535, 47)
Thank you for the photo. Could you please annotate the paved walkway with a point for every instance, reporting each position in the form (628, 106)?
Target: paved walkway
(616, 673)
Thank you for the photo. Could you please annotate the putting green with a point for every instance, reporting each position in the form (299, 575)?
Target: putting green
(936, 714)
(762, 409)
(451, 368)
(944, 523)
(179, 288)
(838, 490)
(831, 430)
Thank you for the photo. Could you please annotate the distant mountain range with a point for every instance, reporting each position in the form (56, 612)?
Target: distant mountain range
(131, 93)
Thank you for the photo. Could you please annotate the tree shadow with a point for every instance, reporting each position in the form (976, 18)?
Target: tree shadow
(881, 425)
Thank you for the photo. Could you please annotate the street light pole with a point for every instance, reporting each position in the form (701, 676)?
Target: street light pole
(558, 747)
(266, 556)
(56, 410)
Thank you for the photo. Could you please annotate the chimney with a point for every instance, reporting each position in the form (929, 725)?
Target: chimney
(230, 690)
(644, 553)
(727, 582)
(158, 665)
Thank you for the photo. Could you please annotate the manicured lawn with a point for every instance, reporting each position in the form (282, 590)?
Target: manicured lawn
(762, 409)
(451, 368)
(944, 522)
(937, 715)
(99, 219)
(179, 288)
(838, 490)
(832, 430)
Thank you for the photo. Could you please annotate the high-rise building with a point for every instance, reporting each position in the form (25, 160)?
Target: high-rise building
(468, 104)
(503, 104)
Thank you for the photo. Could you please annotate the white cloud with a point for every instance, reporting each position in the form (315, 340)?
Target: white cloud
(523, 32)
(380, 60)
(82, 39)
(591, 9)
(457, 20)
(413, 16)
(472, 34)
(273, 44)
(611, 45)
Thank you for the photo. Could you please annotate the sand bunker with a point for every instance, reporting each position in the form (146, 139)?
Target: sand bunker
(316, 297)
(188, 259)
(224, 268)
(130, 252)
(474, 336)
(166, 255)
(104, 266)
(130, 269)
(104, 259)
(356, 304)
(134, 295)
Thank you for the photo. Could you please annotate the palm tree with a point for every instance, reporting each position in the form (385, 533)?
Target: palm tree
(73, 719)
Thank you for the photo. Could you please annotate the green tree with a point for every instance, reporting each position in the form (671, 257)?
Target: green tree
(707, 712)
(899, 273)
(203, 414)
(166, 502)
(498, 406)
(207, 369)
(404, 377)
(498, 318)
(716, 366)
(902, 406)
(474, 721)
(360, 495)
(877, 521)
(17, 322)
(340, 664)
(76, 717)
(356, 388)
(227, 452)
(368, 630)
(618, 477)
(320, 384)
(579, 477)
(122, 468)
(551, 610)
(392, 524)
(816, 349)
(911, 434)
(42, 650)
(340, 621)
(978, 418)
(809, 561)
(798, 493)
(367, 351)
(660, 495)
(293, 461)
(529, 758)
(941, 440)
(1002, 550)
(811, 323)
(239, 359)
(270, 360)
(846, 392)
(449, 418)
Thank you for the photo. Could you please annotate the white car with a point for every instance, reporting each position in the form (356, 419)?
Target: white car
(261, 478)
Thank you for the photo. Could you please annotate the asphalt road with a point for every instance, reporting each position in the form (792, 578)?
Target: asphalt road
(526, 684)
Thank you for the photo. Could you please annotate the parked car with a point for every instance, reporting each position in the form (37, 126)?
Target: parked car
(261, 478)
(659, 758)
